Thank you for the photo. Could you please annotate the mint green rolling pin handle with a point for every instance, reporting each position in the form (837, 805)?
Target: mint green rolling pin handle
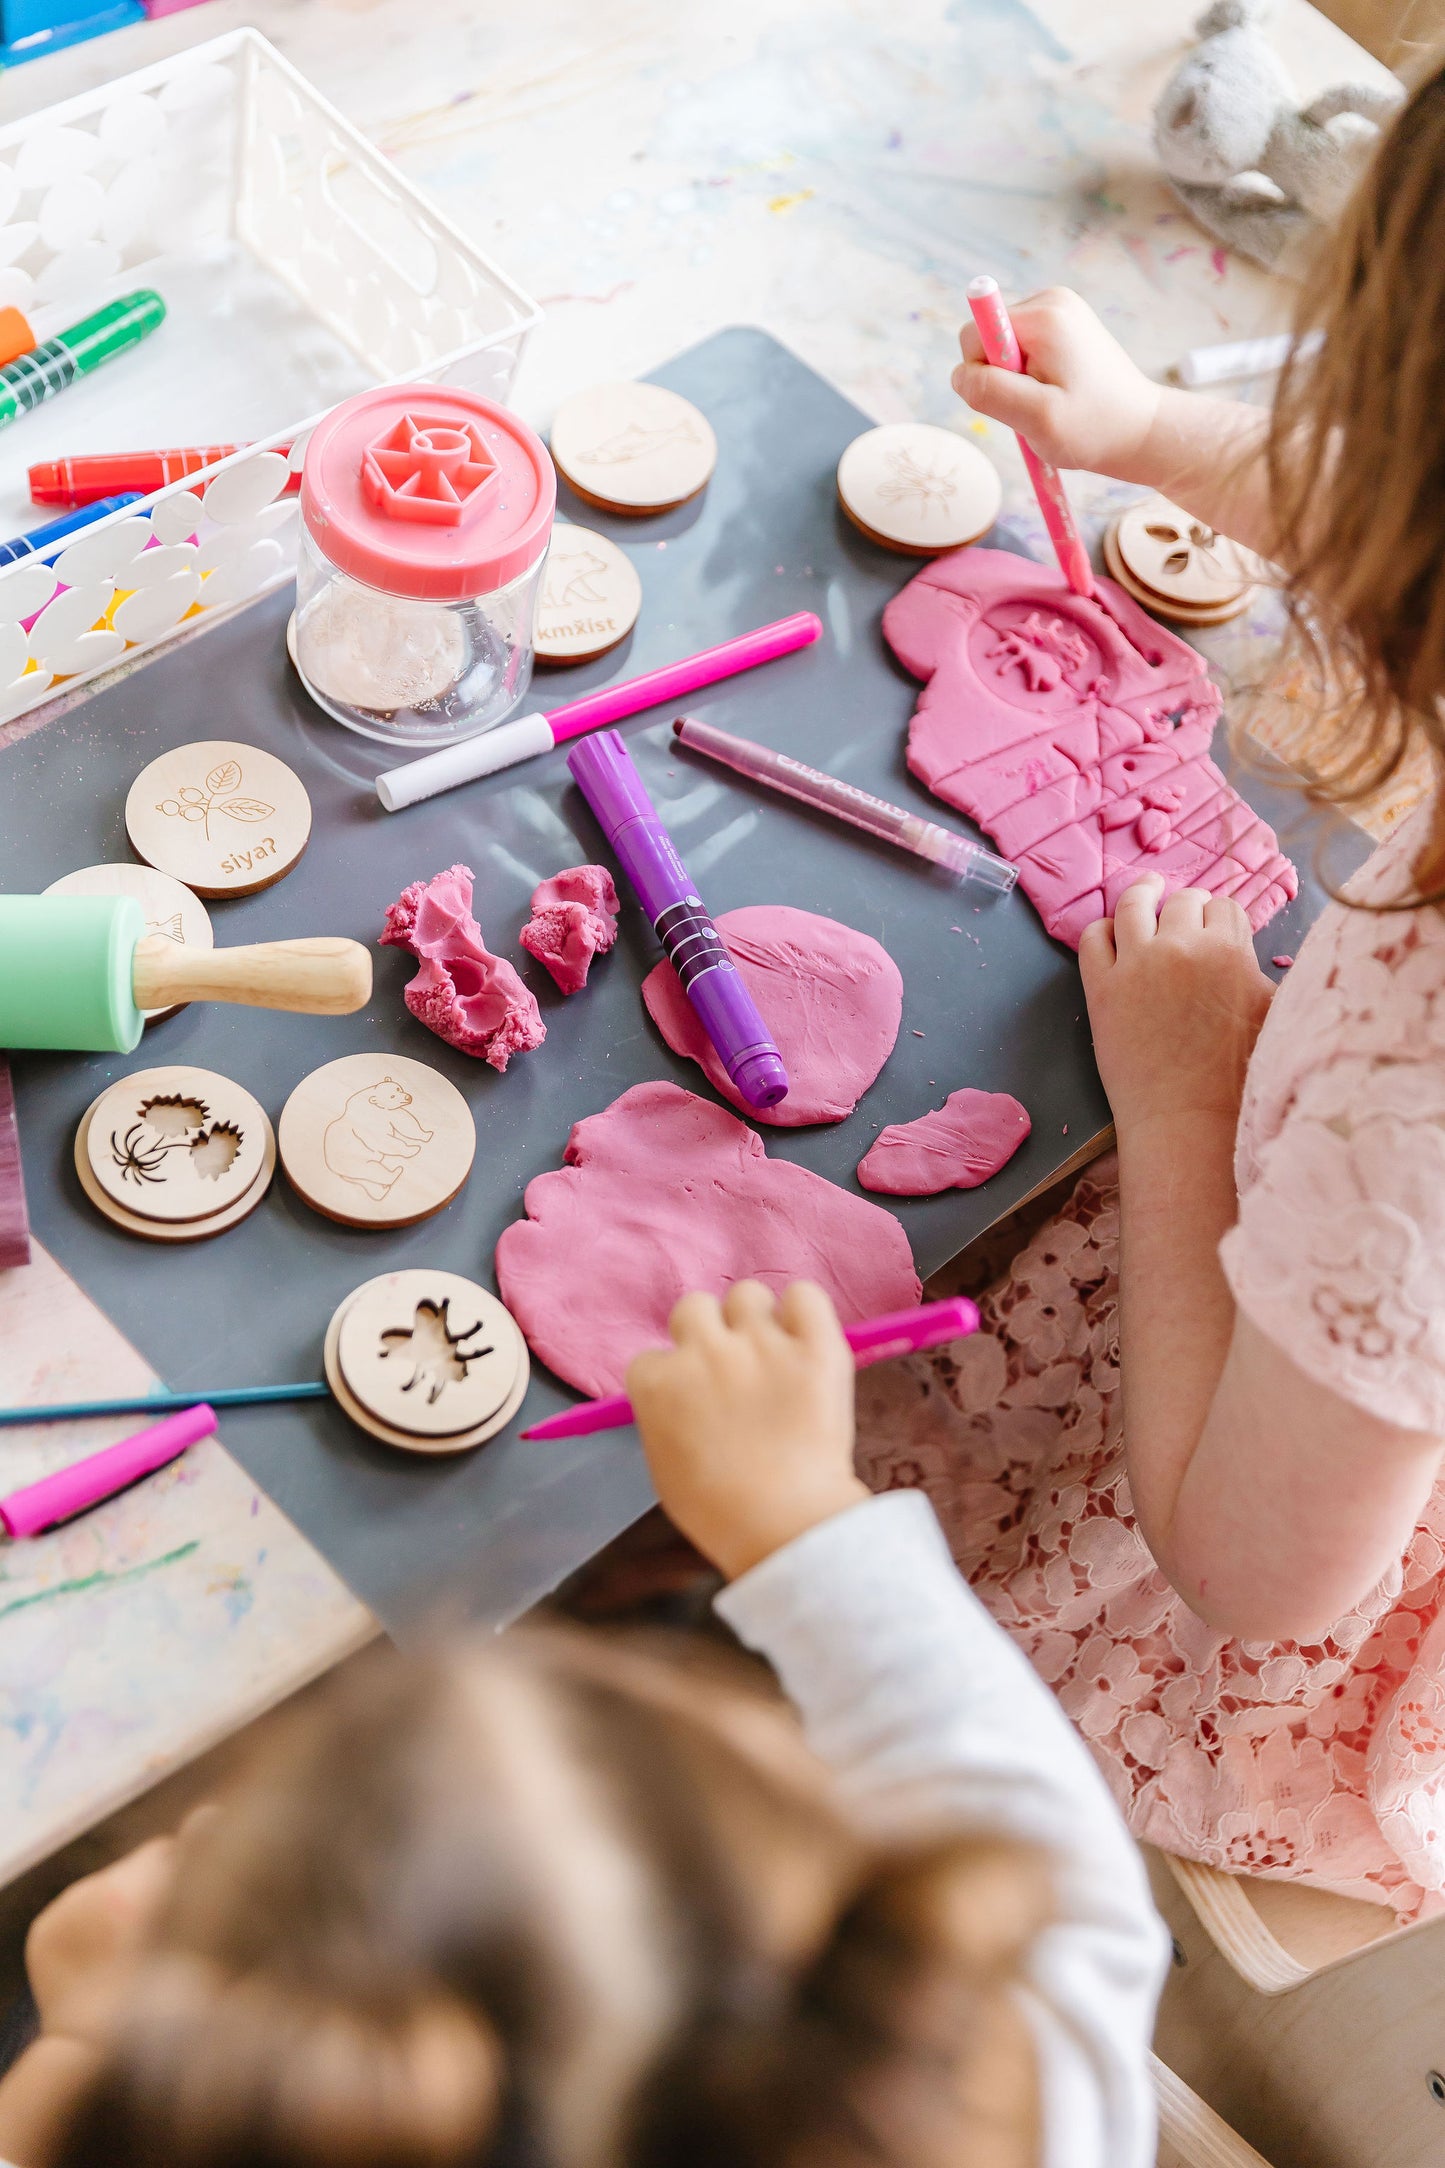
(66, 972)
(48, 368)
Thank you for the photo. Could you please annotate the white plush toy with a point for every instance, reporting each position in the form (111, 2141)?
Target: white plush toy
(1259, 171)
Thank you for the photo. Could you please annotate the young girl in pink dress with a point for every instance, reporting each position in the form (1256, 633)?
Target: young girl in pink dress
(1193, 1462)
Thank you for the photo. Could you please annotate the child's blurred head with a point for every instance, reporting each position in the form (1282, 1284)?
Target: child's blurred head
(559, 1903)
(1357, 457)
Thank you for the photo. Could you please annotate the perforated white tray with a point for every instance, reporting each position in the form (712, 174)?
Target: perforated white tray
(297, 267)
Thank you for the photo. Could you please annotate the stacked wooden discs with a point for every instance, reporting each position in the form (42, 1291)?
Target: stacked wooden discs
(590, 597)
(918, 489)
(376, 1140)
(1177, 567)
(175, 1154)
(426, 1361)
(633, 448)
(170, 909)
(225, 819)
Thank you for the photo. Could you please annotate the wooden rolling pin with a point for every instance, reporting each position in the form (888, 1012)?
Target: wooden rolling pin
(77, 972)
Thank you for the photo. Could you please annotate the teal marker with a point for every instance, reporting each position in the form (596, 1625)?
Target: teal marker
(51, 366)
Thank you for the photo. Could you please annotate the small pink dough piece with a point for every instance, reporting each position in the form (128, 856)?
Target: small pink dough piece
(1076, 731)
(663, 1192)
(957, 1146)
(466, 995)
(574, 918)
(831, 997)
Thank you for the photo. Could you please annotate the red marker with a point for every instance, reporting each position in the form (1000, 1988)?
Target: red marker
(106, 474)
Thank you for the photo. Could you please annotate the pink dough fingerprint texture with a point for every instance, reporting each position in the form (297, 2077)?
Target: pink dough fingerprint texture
(1076, 732)
(574, 918)
(663, 1192)
(957, 1146)
(467, 996)
(831, 997)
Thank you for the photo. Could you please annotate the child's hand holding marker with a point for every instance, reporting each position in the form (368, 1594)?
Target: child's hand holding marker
(747, 1420)
(1080, 401)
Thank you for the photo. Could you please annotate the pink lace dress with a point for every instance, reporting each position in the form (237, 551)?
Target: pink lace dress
(1325, 1763)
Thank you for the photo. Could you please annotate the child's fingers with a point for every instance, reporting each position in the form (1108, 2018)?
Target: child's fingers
(806, 1311)
(1222, 914)
(1096, 947)
(698, 1317)
(1136, 914)
(1183, 912)
(970, 345)
(748, 1302)
(1018, 402)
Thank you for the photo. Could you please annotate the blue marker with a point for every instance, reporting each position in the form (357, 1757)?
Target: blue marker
(57, 530)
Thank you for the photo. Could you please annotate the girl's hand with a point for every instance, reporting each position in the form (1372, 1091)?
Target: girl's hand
(747, 1420)
(1081, 403)
(81, 1948)
(1176, 1000)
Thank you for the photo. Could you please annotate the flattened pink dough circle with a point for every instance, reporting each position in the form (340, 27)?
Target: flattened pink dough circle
(663, 1192)
(957, 1146)
(1076, 732)
(831, 997)
(466, 995)
(574, 918)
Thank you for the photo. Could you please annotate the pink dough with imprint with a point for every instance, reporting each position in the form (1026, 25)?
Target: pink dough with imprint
(466, 995)
(831, 997)
(957, 1146)
(1076, 732)
(663, 1192)
(574, 918)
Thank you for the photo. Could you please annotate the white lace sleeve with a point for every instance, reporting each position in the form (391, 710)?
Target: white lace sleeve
(1339, 1252)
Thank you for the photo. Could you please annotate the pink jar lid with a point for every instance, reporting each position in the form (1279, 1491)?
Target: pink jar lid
(423, 489)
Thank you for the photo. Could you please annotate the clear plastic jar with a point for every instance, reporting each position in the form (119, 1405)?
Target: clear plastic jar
(426, 515)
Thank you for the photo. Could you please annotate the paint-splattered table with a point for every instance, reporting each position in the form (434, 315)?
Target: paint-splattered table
(651, 173)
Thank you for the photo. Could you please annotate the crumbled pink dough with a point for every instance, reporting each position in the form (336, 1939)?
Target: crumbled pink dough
(467, 996)
(957, 1146)
(831, 997)
(663, 1192)
(574, 918)
(1076, 732)
(1282, 963)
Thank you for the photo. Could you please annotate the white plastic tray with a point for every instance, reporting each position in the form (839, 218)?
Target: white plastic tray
(297, 267)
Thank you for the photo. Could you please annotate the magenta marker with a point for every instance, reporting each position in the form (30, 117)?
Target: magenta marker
(61, 1496)
(604, 771)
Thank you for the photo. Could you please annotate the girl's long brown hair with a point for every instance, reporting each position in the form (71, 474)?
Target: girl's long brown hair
(556, 1903)
(1356, 458)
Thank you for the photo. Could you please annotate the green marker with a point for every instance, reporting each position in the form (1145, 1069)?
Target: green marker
(49, 367)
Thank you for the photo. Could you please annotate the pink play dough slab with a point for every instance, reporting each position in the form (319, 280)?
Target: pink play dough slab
(663, 1192)
(957, 1146)
(466, 995)
(831, 997)
(1076, 733)
(574, 918)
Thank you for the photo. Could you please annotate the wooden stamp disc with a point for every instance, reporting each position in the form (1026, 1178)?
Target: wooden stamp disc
(177, 1230)
(590, 598)
(376, 1140)
(426, 1361)
(1176, 613)
(177, 1144)
(1180, 559)
(918, 489)
(225, 819)
(633, 448)
(169, 906)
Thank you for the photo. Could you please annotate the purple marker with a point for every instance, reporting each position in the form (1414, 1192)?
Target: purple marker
(608, 779)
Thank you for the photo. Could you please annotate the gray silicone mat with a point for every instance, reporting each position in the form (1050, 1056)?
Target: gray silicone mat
(996, 1005)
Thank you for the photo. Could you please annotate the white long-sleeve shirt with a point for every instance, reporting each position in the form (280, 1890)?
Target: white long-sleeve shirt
(909, 1691)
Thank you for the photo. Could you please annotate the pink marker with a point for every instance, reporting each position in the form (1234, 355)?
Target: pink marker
(1001, 346)
(60, 1497)
(531, 734)
(876, 1340)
